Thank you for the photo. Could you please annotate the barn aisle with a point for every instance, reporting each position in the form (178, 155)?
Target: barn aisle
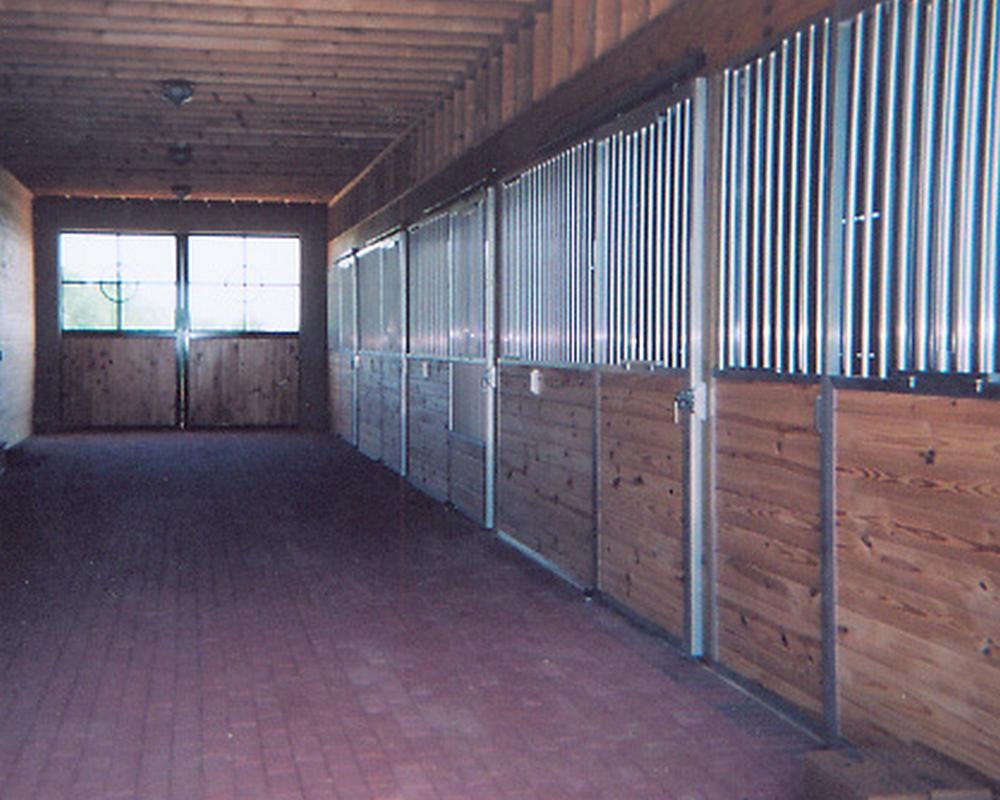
(268, 615)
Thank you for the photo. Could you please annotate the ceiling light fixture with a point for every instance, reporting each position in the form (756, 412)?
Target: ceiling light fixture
(177, 91)
(180, 154)
(181, 190)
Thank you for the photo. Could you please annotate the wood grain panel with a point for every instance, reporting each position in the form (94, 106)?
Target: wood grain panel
(641, 500)
(115, 381)
(391, 398)
(467, 473)
(918, 565)
(243, 381)
(341, 376)
(545, 476)
(427, 424)
(369, 378)
(767, 502)
(17, 312)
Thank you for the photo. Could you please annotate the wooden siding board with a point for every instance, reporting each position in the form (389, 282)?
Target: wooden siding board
(427, 421)
(641, 502)
(114, 381)
(767, 497)
(918, 570)
(243, 381)
(545, 480)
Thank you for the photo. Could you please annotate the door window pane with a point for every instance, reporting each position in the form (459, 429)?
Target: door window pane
(86, 307)
(244, 283)
(150, 308)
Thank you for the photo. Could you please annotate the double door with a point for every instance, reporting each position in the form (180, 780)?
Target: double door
(179, 330)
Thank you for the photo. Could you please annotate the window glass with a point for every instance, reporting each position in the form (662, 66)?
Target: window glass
(244, 283)
(113, 281)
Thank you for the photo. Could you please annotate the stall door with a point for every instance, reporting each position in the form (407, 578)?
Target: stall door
(240, 334)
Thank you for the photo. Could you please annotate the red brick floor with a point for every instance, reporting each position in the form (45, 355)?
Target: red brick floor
(269, 616)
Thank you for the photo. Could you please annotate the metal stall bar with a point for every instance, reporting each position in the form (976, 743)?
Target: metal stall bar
(744, 234)
(795, 186)
(821, 216)
(491, 267)
(780, 331)
(944, 223)
(969, 204)
(890, 182)
(989, 258)
(767, 339)
(901, 217)
(725, 252)
(756, 198)
(805, 313)
(874, 80)
(671, 276)
(684, 233)
(927, 189)
(849, 221)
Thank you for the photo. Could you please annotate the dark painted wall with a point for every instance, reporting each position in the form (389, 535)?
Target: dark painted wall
(308, 221)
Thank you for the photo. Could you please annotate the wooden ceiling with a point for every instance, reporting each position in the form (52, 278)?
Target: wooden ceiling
(292, 98)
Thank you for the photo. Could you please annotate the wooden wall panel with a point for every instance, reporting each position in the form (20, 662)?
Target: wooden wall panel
(17, 312)
(243, 381)
(641, 500)
(114, 381)
(427, 427)
(467, 476)
(918, 565)
(391, 397)
(545, 476)
(369, 378)
(767, 496)
(341, 372)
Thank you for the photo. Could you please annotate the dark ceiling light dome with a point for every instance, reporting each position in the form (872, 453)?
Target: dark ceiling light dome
(180, 154)
(177, 91)
(180, 190)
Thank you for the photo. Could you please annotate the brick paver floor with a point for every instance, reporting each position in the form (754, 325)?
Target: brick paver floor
(267, 615)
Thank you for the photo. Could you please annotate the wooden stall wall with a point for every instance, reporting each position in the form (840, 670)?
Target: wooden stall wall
(641, 496)
(243, 381)
(391, 411)
(17, 312)
(467, 476)
(427, 427)
(369, 378)
(546, 466)
(341, 372)
(768, 537)
(112, 381)
(918, 565)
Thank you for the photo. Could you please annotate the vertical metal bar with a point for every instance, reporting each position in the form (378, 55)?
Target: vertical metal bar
(736, 198)
(642, 233)
(806, 221)
(945, 222)
(902, 216)
(767, 279)
(599, 255)
(989, 260)
(652, 183)
(834, 362)
(851, 204)
(780, 289)
(757, 202)
(746, 197)
(724, 204)
(874, 77)
(684, 192)
(659, 354)
(693, 190)
(969, 200)
(402, 349)
(628, 266)
(822, 198)
(889, 239)
(671, 300)
(795, 181)
(922, 327)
